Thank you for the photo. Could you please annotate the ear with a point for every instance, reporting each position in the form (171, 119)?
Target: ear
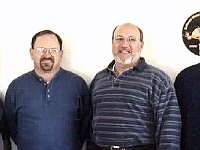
(31, 53)
(142, 44)
(61, 53)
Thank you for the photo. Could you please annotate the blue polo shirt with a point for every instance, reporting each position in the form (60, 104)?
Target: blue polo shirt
(47, 116)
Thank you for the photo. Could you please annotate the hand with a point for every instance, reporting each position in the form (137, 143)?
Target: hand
(7, 144)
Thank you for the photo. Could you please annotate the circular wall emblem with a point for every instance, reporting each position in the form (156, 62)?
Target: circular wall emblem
(191, 33)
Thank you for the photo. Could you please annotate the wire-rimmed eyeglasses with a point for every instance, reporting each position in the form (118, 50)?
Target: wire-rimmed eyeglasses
(121, 39)
(44, 50)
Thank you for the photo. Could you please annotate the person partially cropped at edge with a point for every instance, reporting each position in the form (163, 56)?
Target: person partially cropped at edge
(134, 103)
(48, 107)
(187, 85)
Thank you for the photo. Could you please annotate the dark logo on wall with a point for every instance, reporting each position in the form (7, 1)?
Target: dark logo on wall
(191, 33)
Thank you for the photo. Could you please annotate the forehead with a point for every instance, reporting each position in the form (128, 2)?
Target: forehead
(47, 40)
(127, 30)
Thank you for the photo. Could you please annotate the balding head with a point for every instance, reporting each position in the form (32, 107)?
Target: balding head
(130, 26)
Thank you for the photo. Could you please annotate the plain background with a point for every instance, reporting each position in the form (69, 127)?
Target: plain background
(86, 27)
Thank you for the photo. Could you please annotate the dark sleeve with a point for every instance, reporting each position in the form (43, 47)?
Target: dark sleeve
(1, 113)
(6, 141)
(180, 92)
(178, 84)
(9, 126)
(90, 144)
(85, 110)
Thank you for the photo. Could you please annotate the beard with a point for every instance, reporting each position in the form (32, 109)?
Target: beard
(130, 60)
(47, 64)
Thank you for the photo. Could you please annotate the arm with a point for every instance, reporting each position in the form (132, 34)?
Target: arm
(168, 119)
(182, 89)
(90, 144)
(5, 134)
(86, 111)
(9, 125)
(7, 144)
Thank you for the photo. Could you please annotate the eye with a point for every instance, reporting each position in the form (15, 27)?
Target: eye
(54, 50)
(119, 38)
(41, 49)
(131, 39)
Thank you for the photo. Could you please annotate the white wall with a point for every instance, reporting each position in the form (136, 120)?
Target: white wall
(86, 27)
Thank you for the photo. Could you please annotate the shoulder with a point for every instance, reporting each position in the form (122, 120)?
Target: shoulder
(101, 75)
(193, 70)
(20, 82)
(22, 78)
(72, 76)
(158, 73)
(189, 75)
(152, 73)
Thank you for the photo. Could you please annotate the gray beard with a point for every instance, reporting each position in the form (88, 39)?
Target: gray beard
(130, 60)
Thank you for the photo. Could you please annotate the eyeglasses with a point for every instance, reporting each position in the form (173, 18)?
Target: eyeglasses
(121, 39)
(43, 50)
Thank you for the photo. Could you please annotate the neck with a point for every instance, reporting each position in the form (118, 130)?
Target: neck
(46, 75)
(120, 68)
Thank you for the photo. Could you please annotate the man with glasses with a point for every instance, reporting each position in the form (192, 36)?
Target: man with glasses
(134, 103)
(48, 107)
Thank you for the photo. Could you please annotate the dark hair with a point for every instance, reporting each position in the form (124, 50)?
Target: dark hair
(140, 30)
(114, 32)
(44, 32)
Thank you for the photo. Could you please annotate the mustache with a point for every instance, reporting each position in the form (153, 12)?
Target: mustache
(49, 58)
(125, 49)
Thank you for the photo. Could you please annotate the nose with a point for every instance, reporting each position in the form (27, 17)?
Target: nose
(47, 52)
(125, 43)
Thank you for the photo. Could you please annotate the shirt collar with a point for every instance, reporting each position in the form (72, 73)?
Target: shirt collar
(140, 66)
(39, 78)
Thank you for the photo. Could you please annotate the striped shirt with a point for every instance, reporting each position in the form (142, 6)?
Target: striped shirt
(137, 107)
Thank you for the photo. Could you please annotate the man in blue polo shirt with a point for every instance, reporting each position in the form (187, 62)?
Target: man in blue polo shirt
(46, 108)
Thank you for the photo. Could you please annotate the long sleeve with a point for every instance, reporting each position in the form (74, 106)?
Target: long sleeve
(85, 112)
(9, 129)
(181, 95)
(168, 118)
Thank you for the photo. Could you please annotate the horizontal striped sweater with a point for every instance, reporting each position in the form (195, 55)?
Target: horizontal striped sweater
(137, 107)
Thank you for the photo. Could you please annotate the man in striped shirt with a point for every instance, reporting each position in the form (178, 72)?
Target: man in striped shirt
(134, 103)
